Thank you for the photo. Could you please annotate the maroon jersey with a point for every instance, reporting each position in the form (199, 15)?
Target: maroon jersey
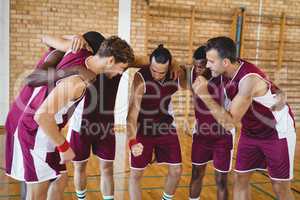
(19, 104)
(259, 121)
(156, 114)
(99, 105)
(207, 128)
(33, 144)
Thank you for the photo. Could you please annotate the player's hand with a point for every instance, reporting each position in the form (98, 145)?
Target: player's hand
(176, 72)
(137, 149)
(66, 156)
(200, 86)
(280, 101)
(78, 42)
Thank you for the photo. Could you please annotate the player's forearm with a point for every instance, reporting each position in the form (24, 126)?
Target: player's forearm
(68, 37)
(39, 77)
(183, 81)
(47, 77)
(222, 116)
(131, 127)
(47, 123)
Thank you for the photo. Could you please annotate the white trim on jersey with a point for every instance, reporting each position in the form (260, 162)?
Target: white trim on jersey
(204, 163)
(291, 142)
(166, 163)
(192, 72)
(171, 112)
(43, 171)
(242, 63)
(138, 168)
(255, 74)
(250, 170)
(106, 160)
(76, 119)
(143, 80)
(80, 161)
(17, 165)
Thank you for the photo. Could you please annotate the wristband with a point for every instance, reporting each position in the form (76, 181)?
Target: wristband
(64, 147)
(132, 142)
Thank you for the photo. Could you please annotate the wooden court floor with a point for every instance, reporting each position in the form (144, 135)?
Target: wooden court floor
(153, 181)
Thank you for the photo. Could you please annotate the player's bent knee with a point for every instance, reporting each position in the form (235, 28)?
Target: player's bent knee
(107, 167)
(198, 172)
(281, 187)
(221, 180)
(241, 179)
(136, 174)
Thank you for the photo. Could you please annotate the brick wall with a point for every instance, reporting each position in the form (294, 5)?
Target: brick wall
(30, 19)
(169, 21)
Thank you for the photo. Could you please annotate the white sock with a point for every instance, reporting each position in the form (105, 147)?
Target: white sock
(81, 194)
(194, 198)
(167, 196)
(108, 197)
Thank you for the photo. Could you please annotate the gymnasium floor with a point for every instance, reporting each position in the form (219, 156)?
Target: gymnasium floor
(153, 181)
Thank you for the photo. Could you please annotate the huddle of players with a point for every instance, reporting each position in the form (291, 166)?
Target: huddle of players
(77, 81)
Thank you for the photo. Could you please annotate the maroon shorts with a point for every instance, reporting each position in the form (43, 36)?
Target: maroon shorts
(103, 147)
(275, 155)
(166, 149)
(202, 153)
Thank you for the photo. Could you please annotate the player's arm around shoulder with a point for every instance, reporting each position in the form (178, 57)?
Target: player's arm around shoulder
(43, 75)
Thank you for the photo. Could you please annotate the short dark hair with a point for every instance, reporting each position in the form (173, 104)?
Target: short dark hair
(200, 53)
(161, 55)
(94, 39)
(225, 47)
(118, 48)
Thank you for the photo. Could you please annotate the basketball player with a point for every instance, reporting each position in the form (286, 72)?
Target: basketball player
(150, 123)
(49, 60)
(47, 63)
(211, 142)
(92, 124)
(46, 150)
(252, 97)
(89, 41)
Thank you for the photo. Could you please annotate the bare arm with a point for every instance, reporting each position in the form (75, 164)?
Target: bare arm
(40, 76)
(68, 37)
(182, 79)
(248, 88)
(47, 74)
(50, 76)
(137, 91)
(177, 70)
(68, 89)
(58, 43)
